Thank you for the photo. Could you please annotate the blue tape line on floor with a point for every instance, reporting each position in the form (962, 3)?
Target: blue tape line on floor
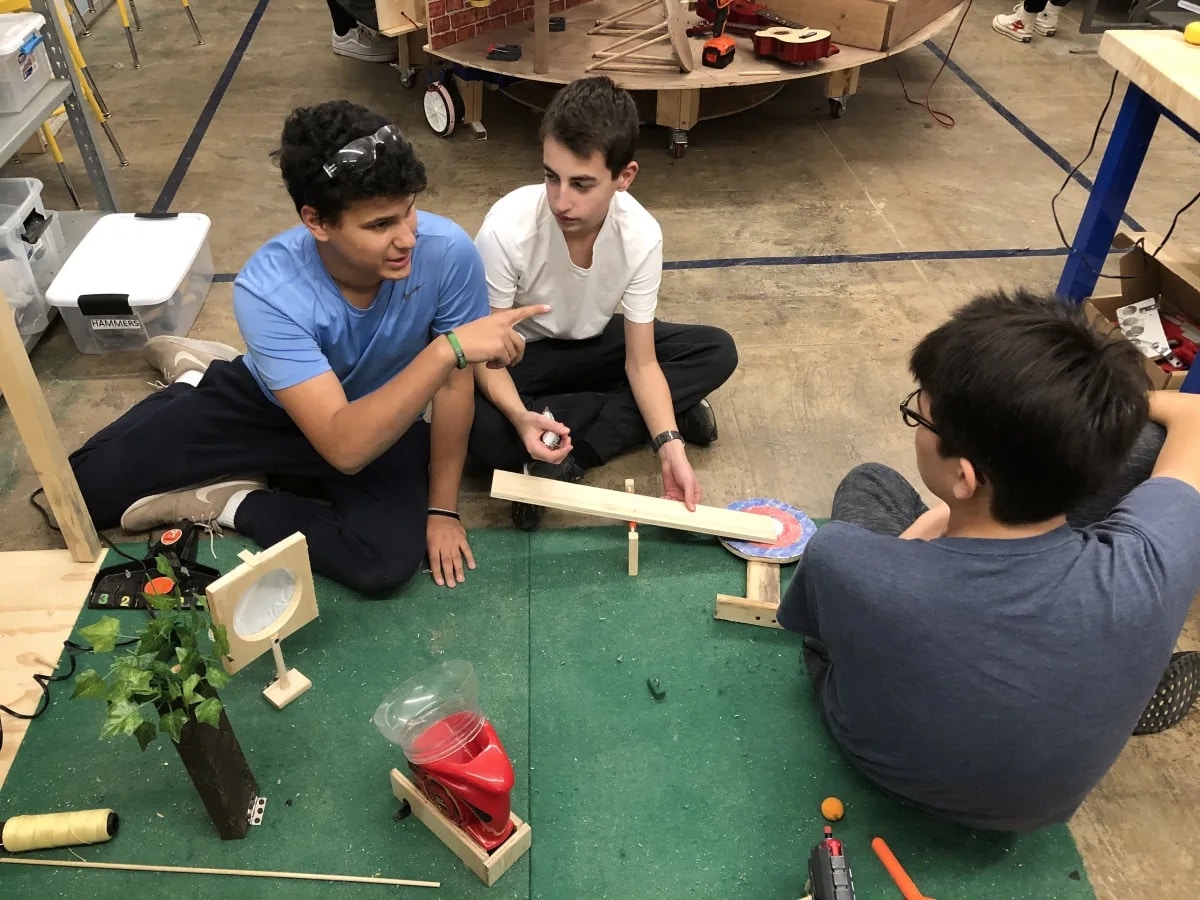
(188, 153)
(1028, 133)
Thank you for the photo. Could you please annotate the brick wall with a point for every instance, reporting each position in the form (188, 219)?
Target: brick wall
(454, 21)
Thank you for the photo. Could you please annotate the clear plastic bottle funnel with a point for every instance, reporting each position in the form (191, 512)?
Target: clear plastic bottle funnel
(433, 714)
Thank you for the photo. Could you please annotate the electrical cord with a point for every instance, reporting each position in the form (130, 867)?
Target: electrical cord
(53, 526)
(942, 118)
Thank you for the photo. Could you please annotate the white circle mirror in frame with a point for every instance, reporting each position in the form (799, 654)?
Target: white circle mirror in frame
(265, 607)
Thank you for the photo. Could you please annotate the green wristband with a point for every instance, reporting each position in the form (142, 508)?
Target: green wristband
(458, 351)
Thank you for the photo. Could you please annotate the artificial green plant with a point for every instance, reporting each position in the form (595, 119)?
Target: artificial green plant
(170, 675)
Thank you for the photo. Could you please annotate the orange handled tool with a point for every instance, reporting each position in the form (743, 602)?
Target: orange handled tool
(907, 889)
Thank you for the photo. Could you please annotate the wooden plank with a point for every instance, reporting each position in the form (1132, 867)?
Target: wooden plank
(19, 385)
(541, 36)
(582, 498)
(678, 109)
(745, 611)
(910, 16)
(41, 594)
(488, 866)
(1162, 64)
(762, 582)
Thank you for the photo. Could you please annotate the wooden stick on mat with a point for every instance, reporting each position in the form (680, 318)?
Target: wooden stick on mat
(303, 876)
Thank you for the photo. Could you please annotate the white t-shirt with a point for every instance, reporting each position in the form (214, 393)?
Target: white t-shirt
(527, 263)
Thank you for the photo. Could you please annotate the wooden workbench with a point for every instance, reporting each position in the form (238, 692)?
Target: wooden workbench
(1164, 81)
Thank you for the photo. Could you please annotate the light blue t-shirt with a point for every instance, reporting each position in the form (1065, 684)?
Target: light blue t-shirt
(297, 325)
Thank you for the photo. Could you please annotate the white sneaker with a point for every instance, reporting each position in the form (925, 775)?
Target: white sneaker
(1018, 25)
(363, 44)
(1047, 20)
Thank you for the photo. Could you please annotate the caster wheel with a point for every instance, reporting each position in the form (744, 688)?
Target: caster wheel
(408, 79)
(837, 107)
(679, 143)
(403, 812)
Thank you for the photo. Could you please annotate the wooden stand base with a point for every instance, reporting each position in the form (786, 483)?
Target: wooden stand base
(281, 695)
(488, 866)
(761, 603)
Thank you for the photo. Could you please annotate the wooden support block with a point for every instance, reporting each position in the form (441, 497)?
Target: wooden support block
(760, 606)
(609, 504)
(842, 83)
(488, 866)
(472, 97)
(541, 36)
(678, 109)
(23, 394)
(399, 17)
(633, 535)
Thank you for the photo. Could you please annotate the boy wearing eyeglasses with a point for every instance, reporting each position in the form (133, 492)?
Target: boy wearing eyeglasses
(354, 320)
(601, 375)
(987, 659)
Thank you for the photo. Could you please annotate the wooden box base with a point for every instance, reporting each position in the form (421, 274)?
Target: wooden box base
(488, 866)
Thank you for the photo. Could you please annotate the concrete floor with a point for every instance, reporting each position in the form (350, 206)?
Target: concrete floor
(823, 344)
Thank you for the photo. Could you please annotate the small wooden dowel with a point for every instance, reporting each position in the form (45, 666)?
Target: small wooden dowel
(189, 870)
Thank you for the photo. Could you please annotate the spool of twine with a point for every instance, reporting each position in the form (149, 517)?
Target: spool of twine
(88, 826)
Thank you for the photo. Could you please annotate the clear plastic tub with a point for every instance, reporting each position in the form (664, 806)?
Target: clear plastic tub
(434, 714)
(24, 64)
(32, 248)
(133, 277)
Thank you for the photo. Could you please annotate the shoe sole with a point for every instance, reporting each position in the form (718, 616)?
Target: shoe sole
(365, 57)
(1173, 698)
(138, 505)
(1012, 35)
(1047, 32)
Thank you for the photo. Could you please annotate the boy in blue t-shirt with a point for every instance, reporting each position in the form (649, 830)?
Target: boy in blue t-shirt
(988, 659)
(354, 321)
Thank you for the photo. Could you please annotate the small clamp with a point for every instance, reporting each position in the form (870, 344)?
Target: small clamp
(505, 52)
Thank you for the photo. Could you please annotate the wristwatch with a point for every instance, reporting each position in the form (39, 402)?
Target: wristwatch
(665, 438)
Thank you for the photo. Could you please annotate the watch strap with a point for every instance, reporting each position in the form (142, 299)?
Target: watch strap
(665, 438)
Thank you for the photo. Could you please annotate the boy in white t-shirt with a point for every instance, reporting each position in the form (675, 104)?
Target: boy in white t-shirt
(610, 375)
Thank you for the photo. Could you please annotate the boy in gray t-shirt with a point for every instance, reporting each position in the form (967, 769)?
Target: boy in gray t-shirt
(988, 659)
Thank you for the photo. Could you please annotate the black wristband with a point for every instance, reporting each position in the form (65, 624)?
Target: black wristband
(665, 438)
(434, 511)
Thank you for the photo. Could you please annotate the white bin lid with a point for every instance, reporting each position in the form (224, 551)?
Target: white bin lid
(15, 29)
(145, 258)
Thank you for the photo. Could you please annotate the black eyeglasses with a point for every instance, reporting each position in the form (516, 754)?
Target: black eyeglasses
(912, 418)
(360, 154)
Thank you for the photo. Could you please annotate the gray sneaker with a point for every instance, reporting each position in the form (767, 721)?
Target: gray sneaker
(198, 503)
(175, 355)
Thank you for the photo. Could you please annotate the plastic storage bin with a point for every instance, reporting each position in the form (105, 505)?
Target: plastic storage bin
(32, 249)
(133, 277)
(24, 64)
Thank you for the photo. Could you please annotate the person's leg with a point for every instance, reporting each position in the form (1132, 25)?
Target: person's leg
(878, 498)
(356, 32)
(1138, 465)
(370, 535)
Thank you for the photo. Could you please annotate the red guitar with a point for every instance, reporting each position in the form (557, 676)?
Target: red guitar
(798, 46)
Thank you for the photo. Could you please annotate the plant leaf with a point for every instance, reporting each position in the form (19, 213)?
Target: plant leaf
(123, 718)
(220, 641)
(89, 684)
(161, 602)
(102, 635)
(164, 566)
(131, 682)
(209, 711)
(145, 735)
(172, 723)
(215, 675)
(189, 689)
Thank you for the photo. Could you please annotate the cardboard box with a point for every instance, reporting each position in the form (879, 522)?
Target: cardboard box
(1173, 276)
(869, 24)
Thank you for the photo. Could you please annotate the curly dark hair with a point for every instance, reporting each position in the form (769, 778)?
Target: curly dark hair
(312, 135)
(593, 115)
(1045, 406)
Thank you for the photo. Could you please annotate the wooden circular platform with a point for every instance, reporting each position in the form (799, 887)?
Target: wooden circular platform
(713, 104)
(570, 52)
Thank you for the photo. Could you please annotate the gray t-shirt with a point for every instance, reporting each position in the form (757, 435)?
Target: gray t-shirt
(995, 682)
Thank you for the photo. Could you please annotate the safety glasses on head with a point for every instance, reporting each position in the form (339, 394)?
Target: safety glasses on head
(360, 154)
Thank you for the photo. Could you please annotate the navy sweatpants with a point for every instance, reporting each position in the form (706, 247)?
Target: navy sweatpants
(365, 530)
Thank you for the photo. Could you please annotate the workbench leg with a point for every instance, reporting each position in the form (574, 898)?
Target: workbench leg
(27, 404)
(840, 86)
(1118, 172)
(678, 110)
(472, 95)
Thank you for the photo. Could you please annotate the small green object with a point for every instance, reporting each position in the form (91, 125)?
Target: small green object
(458, 350)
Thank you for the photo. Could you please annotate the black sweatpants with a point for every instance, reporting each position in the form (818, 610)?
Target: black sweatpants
(880, 499)
(365, 530)
(348, 14)
(583, 383)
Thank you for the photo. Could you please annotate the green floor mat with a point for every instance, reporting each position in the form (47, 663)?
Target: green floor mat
(710, 791)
